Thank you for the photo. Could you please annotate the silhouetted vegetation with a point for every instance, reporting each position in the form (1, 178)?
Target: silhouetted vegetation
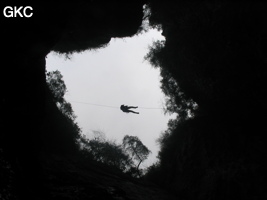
(61, 132)
(31, 122)
(61, 128)
(125, 157)
(136, 149)
(107, 152)
(213, 67)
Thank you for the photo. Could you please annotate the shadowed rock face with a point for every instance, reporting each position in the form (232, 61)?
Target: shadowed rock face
(216, 51)
(26, 41)
(60, 27)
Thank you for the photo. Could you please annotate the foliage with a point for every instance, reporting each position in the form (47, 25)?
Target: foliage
(120, 156)
(30, 119)
(56, 84)
(154, 174)
(134, 172)
(213, 68)
(176, 100)
(106, 152)
(136, 149)
(60, 126)
(54, 80)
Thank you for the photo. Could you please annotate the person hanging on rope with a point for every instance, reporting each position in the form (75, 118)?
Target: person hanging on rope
(127, 109)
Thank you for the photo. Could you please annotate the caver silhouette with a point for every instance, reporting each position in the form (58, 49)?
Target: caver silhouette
(127, 109)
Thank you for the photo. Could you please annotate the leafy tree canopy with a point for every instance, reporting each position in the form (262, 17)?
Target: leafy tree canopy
(107, 152)
(56, 84)
(134, 147)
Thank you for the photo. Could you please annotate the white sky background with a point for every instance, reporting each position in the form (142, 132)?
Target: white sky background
(111, 76)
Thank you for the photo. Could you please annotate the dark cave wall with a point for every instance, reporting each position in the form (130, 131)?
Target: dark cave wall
(53, 26)
(216, 51)
(66, 28)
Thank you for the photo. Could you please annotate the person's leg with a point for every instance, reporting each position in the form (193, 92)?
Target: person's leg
(133, 112)
(129, 107)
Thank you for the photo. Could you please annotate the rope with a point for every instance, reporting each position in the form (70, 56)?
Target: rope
(149, 108)
(93, 104)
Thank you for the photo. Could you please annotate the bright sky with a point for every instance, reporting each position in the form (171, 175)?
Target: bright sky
(111, 76)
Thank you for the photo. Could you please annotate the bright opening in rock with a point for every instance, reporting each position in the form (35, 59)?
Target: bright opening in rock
(99, 81)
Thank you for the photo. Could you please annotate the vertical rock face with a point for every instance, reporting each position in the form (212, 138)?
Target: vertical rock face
(217, 54)
(25, 43)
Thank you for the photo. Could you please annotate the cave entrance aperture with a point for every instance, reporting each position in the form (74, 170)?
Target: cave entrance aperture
(99, 81)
